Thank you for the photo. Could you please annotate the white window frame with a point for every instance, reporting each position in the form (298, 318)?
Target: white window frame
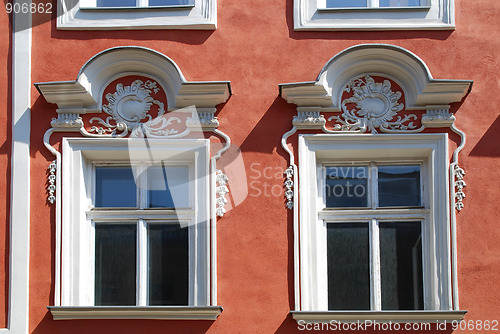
(84, 15)
(372, 216)
(314, 15)
(79, 157)
(142, 218)
(432, 151)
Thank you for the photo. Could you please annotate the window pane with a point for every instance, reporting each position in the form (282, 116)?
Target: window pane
(399, 185)
(168, 187)
(168, 264)
(346, 187)
(115, 187)
(401, 265)
(348, 266)
(399, 3)
(115, 3)
(169, 2)
(115, 264)
(345, 3)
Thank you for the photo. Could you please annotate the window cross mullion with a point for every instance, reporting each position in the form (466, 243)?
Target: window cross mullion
(142, 263)
(376, 294)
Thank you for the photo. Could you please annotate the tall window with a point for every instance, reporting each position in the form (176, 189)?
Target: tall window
(374, 222)
(374, 252)
(136, 222)
(141, 247)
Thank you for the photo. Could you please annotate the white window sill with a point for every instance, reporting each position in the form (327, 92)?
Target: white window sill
(200, 16)
(309, 15)
(136, 312)
(378, 316)
(381, 9)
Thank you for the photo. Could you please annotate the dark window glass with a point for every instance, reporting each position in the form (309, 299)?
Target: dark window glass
(348, 266)
(399, 186)
(115, 3)
(401, 265)
(169, 2)
(115, 187)
(399, 3)
(168, 187)
(115, 264)
(346, 187)
(168, 264)
(345, 3)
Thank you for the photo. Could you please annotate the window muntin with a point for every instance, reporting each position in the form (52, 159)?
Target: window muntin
(119, 243)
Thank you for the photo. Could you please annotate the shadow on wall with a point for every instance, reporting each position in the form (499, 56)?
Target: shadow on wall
(488, 145)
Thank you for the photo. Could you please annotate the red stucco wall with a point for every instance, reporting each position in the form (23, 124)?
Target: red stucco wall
(256, 48)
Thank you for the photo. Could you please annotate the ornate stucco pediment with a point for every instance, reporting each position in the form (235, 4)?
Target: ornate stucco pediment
(135, 92)
(377, 88)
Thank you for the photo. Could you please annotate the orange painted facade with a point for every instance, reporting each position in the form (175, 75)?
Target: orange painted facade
(256, 48)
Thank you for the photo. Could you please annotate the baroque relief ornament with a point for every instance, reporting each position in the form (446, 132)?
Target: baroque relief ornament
(373, 105)
(128, 107)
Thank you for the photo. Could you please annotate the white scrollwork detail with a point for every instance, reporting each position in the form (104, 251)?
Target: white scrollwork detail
(437, 117)
(128, 107)
(309, 120)
(51, 189)
(67, 121)
(289, 187)
(459, 185)
(221, 191)
(376, 107)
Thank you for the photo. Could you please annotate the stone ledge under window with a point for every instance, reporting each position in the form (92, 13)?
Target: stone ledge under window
(378, 316)
(136, 312)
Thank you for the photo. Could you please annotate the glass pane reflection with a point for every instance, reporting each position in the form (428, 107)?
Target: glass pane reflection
(399, 185)
(115, 264)
(401, 265)
(348, 266)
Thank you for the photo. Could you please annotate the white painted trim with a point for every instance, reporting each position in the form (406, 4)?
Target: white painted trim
(391, 61)
(311, 15)
(134, 312)
(432, 148)
(19, 252)
(303, 317)
(201, 16)
(78, 156)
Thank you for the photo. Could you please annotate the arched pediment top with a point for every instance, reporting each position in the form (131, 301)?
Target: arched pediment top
(111, 64)
(390, 61)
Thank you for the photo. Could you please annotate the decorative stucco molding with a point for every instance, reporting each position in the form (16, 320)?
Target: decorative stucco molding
(289, 187)
(374, 106)
(127, 110)
(51, 189)
(221, 191)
